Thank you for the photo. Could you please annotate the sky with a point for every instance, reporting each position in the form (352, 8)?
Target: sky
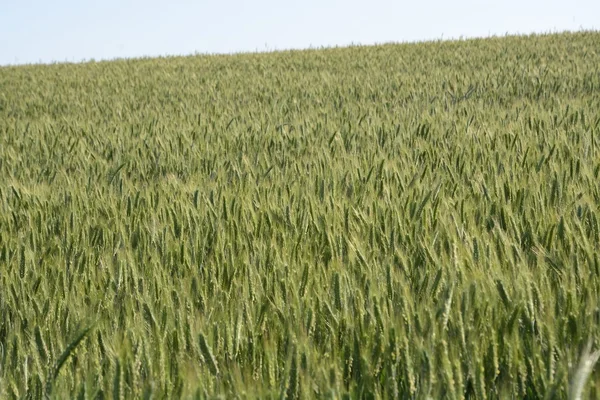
(43, 31)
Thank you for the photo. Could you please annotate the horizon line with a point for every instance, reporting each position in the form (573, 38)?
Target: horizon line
(352, 44)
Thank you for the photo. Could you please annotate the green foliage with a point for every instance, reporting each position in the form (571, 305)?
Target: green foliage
(396, 221)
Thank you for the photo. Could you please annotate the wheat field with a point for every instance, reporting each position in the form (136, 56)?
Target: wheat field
(402, 221)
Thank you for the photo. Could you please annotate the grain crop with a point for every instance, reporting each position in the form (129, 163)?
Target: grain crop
(380, 222)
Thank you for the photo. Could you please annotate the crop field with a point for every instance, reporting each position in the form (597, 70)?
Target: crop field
(402, 221)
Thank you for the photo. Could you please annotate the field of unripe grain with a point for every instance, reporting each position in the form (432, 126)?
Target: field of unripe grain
(385, 222)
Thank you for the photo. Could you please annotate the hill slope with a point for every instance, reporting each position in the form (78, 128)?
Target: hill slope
(390, 221)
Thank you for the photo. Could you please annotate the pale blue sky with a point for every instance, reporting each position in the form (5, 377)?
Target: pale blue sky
(33, 31)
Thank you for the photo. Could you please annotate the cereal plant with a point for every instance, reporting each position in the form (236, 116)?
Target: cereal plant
(403, 221)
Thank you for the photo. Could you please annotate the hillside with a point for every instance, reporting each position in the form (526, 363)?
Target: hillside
(394, 221)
